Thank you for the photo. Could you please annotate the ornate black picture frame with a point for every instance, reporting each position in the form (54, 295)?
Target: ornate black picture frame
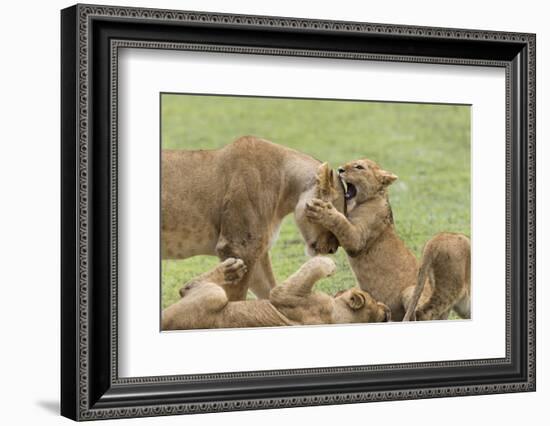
(90, 38)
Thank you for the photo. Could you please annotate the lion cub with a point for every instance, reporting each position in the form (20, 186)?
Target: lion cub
(446, 264)
(381, 262)
(204, 303)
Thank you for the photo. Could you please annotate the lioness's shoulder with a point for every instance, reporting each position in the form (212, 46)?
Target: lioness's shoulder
(248, 142)
(261, 151)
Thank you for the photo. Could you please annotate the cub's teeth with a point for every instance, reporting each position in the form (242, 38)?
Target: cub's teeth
(345, 185)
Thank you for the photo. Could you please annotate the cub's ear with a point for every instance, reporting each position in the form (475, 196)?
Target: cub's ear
(356, 300)
(325, 182)
(386, 178)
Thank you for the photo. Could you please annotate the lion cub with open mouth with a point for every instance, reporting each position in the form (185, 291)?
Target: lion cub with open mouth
(204, 303)
(381, 262)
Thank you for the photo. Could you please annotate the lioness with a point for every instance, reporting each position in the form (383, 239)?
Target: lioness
(446, 264)
(230, 202)
(381, 262)
(204, 304)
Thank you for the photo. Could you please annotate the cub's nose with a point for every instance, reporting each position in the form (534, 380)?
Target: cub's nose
(341, 170)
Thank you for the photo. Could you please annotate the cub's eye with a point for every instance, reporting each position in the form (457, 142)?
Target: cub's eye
(359, 166)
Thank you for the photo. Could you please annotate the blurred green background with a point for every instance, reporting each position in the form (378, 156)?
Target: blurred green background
(427, 146)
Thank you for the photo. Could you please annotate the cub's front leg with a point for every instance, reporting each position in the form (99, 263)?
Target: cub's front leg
(349, 236)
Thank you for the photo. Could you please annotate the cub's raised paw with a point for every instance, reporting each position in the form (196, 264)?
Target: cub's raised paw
(233, 270)
(325, 265)
(318, 211)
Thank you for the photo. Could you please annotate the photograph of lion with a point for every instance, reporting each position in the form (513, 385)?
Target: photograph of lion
(293, 212)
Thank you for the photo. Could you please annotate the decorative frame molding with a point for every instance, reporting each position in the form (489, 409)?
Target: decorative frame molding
(91, 37)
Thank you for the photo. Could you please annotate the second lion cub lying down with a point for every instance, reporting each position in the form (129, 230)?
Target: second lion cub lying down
(204, 303)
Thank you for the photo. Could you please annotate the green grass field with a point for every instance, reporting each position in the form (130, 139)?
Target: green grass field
(427, 146)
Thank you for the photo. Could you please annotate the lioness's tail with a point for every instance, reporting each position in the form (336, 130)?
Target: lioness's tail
(422, 274)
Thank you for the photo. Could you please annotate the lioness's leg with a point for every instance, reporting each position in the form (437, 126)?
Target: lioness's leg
(250, 256)
(261, 279)
(243, 229)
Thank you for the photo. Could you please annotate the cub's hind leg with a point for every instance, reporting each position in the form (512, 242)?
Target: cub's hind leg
(462, 307)
(230, 271)
(203, 299)
(408, 298)
(294, 298)
(301, 282)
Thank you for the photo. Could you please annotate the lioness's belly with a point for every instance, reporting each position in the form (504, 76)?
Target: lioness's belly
(178, 245)
(188, 226)
(190, 205)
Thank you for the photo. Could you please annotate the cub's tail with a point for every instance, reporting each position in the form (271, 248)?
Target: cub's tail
(423, 273)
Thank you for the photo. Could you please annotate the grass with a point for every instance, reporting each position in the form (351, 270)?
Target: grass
(427, 146)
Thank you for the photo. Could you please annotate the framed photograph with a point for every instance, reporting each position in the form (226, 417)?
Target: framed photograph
(263, 212)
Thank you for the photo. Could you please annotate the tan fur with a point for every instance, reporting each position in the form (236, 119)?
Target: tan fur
(381, 262)
(446, 264)
(230, 202)
(204, 303)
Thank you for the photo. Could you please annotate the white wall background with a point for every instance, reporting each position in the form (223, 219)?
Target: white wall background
(29, 211)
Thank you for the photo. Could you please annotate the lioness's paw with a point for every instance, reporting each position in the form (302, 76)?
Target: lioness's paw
(325, 264)
(233, 270)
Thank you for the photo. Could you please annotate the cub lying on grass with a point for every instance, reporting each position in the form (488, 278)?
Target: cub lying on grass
(381, 262)
(204, 303)
(446, 265)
